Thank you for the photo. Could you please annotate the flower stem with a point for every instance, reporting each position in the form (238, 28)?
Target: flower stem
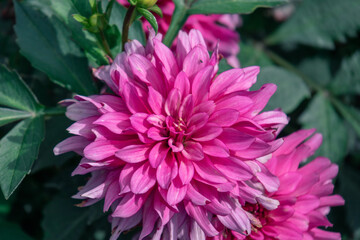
(126, 26)
(104, 43)
(54, 111)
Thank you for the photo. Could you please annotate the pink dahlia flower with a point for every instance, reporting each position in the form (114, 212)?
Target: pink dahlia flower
(174, 144)
(214, 28)
(304, 195)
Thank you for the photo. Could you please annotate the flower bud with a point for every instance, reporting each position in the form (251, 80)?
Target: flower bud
(146, 3)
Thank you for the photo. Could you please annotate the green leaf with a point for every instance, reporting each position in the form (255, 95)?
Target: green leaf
(350, 190)
(156, 10)
(251, 56)
(18, 150)
(321, 115)
(347, 80)
(64, 10)
(11, 231)
(351, 114)
(9, 115)
(64, 221)
(291, 90)
(37, 38)
(149, 17)
(230, 6)
(318, 69)
(223, 66)
(15, 93)
(55, 132)
(319, 23)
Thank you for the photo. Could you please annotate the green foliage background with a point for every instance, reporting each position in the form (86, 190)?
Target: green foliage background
(46, 56)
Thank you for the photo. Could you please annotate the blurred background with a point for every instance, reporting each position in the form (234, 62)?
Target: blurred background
(309, 48)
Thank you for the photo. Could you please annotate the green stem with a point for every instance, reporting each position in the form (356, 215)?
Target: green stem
(104, 43)
(126, 26)
(55, 111)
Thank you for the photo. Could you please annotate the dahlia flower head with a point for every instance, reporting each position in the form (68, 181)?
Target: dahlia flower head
(175, 144)
(304, 195)
(213, 27)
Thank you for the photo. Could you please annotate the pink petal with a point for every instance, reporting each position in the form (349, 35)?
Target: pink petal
(158, 154)
(182, 83)
(207, 133)
(166, 57)
(116, 122)
(201, 84)
(139, 123)
(129, 205)
(233, 168)
(176, 192)
(155, 100)
(194, 196)
(199, 214)
(193, 151)
(215, 148)
(76, 144)
(143, 179)
(196, 60)
(225, 80)
(165, 170)
(186, 171)
(133, 153)
(173, 102)
(235, 139)
(186, 108)
(224, 117)
(207, 170)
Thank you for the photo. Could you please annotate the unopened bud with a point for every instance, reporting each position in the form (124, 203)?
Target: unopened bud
(146, 3)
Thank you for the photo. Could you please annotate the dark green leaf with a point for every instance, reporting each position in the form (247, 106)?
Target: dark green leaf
(251, 56)
(223, 66)
(11, 231)
(291, 90)
(230, 6)
(64, 221)
(18, 150)
(55, 133)
(9, 115)
(319, 23)
(156, 10)
(64, 9)
(318, 69)
(347, 80)
(350, 190)
(350, 113)
(149, 17)
(321, 115)
(14, 92)
(38, 40)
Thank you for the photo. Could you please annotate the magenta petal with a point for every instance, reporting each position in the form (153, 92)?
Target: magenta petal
(215, 148)
(166, 57)
(164, 171)
(100, 150)
(194, 196)
(233, 168)
(182, 83)
(186, 108)
(172, 103)
(224, 81)
(176, 192)
(158, 154)
(224, 117)
(193, 151)
(196, 60)
(207, 133)
(186, 171)
(235, 139)
(143, 179)
(116, 122)
(199, 214)
(207, 171)
(76, 144)
(201, 84)
(198, 120)
(155, 100)
(133, 153)
(138, 122)
(129, 205)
